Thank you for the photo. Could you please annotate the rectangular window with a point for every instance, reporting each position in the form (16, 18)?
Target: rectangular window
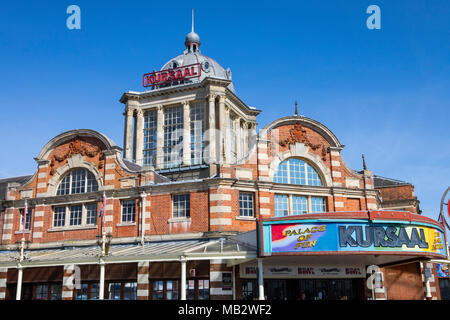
(59, 216)
(317, 205)
(297, 172)
(150, 125)
(42, 292)
(172, 290)
(281, 205)
(129, 291)
(299, 205)
(75, 215)
(181, 205)
(158, 290)
(114, 290)
(91, 213)
(64, 187)
(82, 293)
(78, 181)
(245, 204)
(173, 136)
(27, 219)
(196, 117)
(56, 292)
(203, 289)
(128, 211)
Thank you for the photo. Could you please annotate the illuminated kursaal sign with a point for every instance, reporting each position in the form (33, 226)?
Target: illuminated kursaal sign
(171, 75)
(352, 237)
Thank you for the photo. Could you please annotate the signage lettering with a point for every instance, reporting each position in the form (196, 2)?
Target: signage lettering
(393, 237)
(171, 75)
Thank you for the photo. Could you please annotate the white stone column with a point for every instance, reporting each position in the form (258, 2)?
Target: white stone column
(237, 136)
(245, 138)
(101, 294)
(260, 279)
(212, 156)
(252, 135)
(186, 134)
(19, 283)
(183, 279)
(160, 137)
(139, 155)
(128, 133)
(223, 126)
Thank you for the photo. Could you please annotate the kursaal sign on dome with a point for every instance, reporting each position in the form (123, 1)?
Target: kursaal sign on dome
(175, 74)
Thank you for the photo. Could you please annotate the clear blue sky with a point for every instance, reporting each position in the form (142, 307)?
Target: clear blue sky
(385, 93)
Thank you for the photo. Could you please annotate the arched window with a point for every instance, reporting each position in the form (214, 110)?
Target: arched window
(77, 181)
(297, 171)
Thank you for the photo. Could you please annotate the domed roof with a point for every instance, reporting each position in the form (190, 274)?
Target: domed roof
(210, 67)
(192, 55)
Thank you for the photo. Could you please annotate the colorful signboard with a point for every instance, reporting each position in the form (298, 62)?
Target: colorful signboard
(352, 237)
(442, 270)
(171, 75)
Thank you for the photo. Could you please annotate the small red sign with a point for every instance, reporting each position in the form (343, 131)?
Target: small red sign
(171, 75)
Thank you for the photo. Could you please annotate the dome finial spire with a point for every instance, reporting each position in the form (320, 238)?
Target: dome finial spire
(192, 29)
(192, 41)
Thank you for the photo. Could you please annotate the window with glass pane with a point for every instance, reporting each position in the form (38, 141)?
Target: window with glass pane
(196, 117)
(91, 213)
(281, 176)
(82, 292)
(245, 204)
(128, 211)
(75, 215)
(150, 124)
(129, 291)
(203, 289)
(27, 218)
(181, 206)
(158, 290)
(59, 216)
(41, 292)
(94, 291)
(114, 291)
(281, 205)
(299, 205)
(173, 136)
(317, 205)
(77, 181)
(190, 289)
(172, 290)
(296, 171)
(56, 292)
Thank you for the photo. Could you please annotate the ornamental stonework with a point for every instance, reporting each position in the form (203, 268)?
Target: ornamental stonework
(76, 146)
(298, 134)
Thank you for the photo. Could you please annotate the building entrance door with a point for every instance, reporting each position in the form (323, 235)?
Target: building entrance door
(311, 289)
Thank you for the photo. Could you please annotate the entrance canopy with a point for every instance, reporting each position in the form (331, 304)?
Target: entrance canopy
(152, 251)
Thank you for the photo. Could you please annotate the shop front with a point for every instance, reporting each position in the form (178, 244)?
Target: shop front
(341, 256)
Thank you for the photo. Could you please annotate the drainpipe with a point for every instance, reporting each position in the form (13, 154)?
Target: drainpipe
(19, 266)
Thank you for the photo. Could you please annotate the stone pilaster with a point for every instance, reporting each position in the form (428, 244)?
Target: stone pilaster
(186, 134)
(8, 225)
(143, 286)
(128, 133)
(220, 209)
(38, 222)
(3, 273)
(68, 282)
(139, 152)
(160, 137)
(212, 129)
(217, 270)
